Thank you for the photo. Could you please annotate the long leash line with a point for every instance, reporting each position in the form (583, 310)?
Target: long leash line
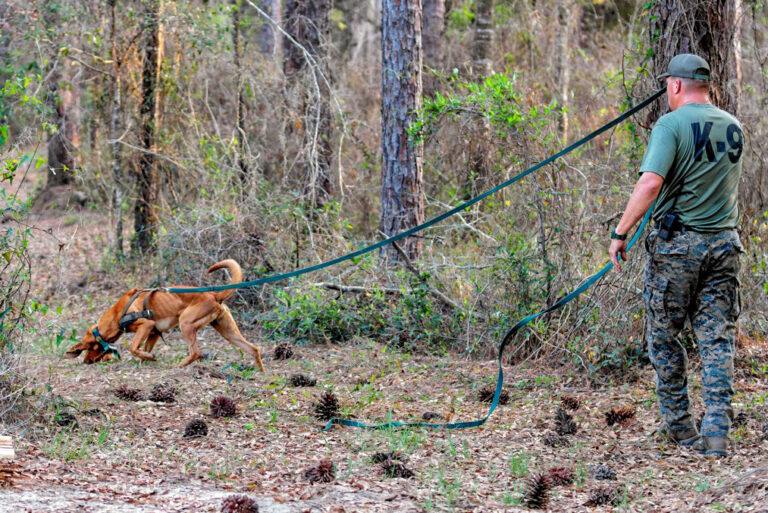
(514, 330)
(431, 222)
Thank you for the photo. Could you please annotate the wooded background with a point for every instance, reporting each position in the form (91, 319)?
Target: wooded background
(285, 133)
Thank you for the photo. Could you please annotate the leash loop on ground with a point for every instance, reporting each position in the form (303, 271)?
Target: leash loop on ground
(507, 339)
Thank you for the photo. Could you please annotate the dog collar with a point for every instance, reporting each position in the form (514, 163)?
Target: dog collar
(105, 346)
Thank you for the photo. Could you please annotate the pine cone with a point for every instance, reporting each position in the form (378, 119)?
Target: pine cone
(65, 419)
(300, 380)
(283, 351)
(381, 457)
(222, 406)
(564, 424)
(195, 429)
(428, 416)
(486, 395)
(619, 415)
(560, 476)
(570, 402)
(740, 420)
(163, 393)
(555, 440)
(328, 406)
(239, 504)
(537, 491)
(323, 473)
(127, 393)
(394, 468)
(603, 496)
(602, 472)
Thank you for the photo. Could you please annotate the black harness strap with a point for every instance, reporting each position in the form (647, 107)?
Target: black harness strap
(126, 319)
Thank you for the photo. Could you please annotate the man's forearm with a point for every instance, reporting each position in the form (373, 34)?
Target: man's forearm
(646, 191)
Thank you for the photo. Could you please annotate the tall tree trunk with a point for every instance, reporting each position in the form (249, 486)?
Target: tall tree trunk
(59, 97)
(240, 163)
(5, 52)
(482, 39)
(433, 41)
(145, 219)
(114, 130)
(566, 11)
(269, 37)
(480, 155)
(402, 188)
(711, 29)
(307, 21)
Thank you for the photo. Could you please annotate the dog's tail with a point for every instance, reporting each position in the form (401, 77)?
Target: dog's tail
(234, 270)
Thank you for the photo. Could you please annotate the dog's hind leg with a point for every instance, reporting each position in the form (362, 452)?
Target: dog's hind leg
(226, 326)
(192, 319)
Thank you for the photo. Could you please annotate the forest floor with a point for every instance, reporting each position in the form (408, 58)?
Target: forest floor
(118, 455)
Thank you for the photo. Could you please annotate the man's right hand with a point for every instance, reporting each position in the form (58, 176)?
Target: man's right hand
(618, 249)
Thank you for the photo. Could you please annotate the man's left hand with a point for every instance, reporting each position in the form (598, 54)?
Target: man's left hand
(618, 248)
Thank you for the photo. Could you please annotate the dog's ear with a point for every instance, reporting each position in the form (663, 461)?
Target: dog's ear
(86, 344)
(75, 350)
(94, 354)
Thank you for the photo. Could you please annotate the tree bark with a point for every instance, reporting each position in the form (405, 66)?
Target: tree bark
(482, 39)
(433, 41)
(59, 97)
(114, 129)
(402, 188)
(566, 12)
(307, 22)
(709, 28)
(480, 155)
(145, 219)
(268, 37)
(240, 163)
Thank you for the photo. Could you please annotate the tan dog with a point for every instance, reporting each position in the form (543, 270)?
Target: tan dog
(189, 311)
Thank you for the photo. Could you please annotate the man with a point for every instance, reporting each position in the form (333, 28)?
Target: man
(691, 169)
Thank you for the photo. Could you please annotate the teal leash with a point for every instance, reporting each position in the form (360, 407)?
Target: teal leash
(507, 339)
(513, 331)
(431, 222)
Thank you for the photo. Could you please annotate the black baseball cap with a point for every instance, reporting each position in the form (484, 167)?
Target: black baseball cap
(687, 65)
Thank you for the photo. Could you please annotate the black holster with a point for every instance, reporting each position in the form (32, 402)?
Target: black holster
(669, 225)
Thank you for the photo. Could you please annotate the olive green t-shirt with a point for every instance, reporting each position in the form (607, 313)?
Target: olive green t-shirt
(700, 147)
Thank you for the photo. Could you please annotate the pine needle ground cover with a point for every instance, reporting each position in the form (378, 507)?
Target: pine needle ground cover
(132, 452)
(265, 450)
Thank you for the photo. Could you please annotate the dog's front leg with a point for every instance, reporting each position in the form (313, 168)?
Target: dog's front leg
(144, 328)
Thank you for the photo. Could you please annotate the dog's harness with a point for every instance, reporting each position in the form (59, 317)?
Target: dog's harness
(126, 319)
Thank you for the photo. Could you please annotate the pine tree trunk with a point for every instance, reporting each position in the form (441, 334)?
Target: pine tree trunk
(402, 189)
(59, 97)
(566, 12)
(482, 39)
(268, 36)
(307, 22)
(480, 153)
(145, 219)
(709, 28)
(240, 163)
(433, 41)
(114, 129)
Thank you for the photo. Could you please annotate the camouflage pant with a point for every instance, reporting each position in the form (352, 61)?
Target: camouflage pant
(693, 276)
